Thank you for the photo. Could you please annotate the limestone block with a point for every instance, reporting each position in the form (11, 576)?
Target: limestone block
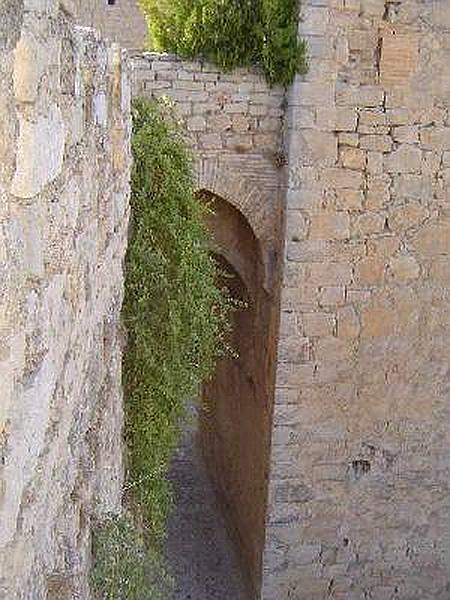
(378, 191)
(403, 269)
(210, 141)
(40, 152)
(399, 116)
(440, 271)
(409, 187)
(376, 143)
(258, 110)
(318, 145)
(378, 319)
(348, 139)
(406, 134)
(29, 66)
(353, 158)
(370, 271)
(219, 122)
(433, 238)
(367, 96)
(372, 122)
(330, 274)
(294, 349)
(348, 325)
(349, 200)
(411, 214)
(329, 226)
(384, 246)
(197, 123)
(100, 109)
(318, 324)
(332, 296)
(41, 6)
(314, 21)
(340, 178)
(32, 233)
(372, 8)
(435, 138)
(296, 226)
(346, 119)
(406, 159)
(368, 224)
(375, 163)
(314, 94)
(399, 57)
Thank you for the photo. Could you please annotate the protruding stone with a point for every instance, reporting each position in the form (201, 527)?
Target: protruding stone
(40, 152)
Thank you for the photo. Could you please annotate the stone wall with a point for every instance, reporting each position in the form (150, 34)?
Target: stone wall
(122, 21)
(64, 170)
(234, 123)
(360, 456)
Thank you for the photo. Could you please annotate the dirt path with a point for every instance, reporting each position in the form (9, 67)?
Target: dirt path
(199, 550)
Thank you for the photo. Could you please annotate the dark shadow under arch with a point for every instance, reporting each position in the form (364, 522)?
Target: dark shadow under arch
(235, 424)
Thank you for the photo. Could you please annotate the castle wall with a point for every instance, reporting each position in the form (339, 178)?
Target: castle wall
(359, 460)
(122, 21)
(64, 170)
(360, 457)
(234, 124)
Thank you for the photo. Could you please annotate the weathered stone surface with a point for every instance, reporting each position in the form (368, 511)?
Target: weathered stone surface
(122, 22)
(399, 57)
(358, 442)
(61, 254)
(234, 121)
(40, 150)
(364, 437)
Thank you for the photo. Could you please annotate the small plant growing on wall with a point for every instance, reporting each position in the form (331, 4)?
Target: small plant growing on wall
(231, 33)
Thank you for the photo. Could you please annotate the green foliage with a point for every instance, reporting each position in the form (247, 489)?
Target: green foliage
(173, 311)
(231, 33)
(124, 567)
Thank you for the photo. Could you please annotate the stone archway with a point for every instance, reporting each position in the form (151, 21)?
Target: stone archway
(235, 423)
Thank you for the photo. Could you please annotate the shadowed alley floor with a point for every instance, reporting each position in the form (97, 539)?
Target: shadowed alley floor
(199, 550)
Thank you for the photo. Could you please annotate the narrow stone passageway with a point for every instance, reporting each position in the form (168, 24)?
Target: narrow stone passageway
(199, 550)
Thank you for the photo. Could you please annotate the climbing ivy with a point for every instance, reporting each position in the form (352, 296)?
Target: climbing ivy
(231, 33)
(175, 314)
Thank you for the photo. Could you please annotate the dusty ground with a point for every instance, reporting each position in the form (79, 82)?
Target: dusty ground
(199, 550)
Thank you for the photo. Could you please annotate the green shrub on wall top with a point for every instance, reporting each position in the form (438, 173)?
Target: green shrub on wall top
(175, 315)
(231, 33)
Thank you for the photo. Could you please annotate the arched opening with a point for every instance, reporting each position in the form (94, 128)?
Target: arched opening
(220, 471)
(235, 420)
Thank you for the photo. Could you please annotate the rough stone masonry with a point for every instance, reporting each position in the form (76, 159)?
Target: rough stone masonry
(359, 464)
(359, 469)
(64, 177)
(359, 491)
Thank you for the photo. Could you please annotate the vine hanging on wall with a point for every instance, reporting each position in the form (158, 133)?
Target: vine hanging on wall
(231, 33)
(175, 314)
(177, 323)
